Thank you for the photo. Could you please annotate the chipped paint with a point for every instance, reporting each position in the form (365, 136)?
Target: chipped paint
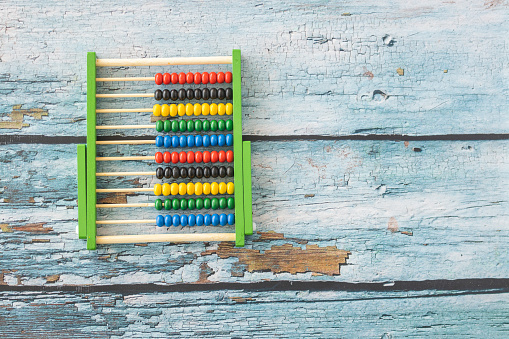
(15, 118)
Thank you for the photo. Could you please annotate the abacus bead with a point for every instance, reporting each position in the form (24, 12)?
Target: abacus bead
(207, 220)
(168, 157)
(199, 220)
(212, 77)
(189, 77)
(221, 140)
(197, 78)
(183, 125)
(158, 189)
(230, 203)
(222, 172)
(167, 125)
(158, 79)
(198, 140)
(165, 110)
(228, 77)
(189, 109)
(214, 156)
(175, 204)
(206, 140)
(191, 204)
(183, 204)
(215, 219)
(231, 219)
(222, 203)
(230, 188)
(190, 141)
(166, 94)
(167, 220)
(213, 109)
(174, 78)
(182, 94)
(159, 141)
(221, 109)
(229, 106)
(191, 220)
(166, 78)
(213, 93)
(229, 140)
(205, 94)
(214, 188)
(174, 94)
(229, 125)
(182, 157)
(198, 188)
(156, 110)
(190, 188)
(199, 203)
(220, 77)
(190, 125)
(167, 172)
(174, 126)
(175, 172)
(213, 140)
(175, 141)
(205, 109)
(160, 221)
(199, 172)
(228, 93)
(229, 171)
(175, 220)
(159, 157)
(166, 189)
(182, 78)
(214, 203)
(158, 204)
(182, 141)
(206, 172)
(229, 156)
(182, 188)
(221, 125)
(183, 220)
(221, 156)
(214, 125)
(190, 94)
(206, 157)
(214, 171)
(198, 125)
(167, 204)
(159, 173)
(205, 78)
(181, 109)
(198, 157)
(221, 93)
(167, 141)
(158, 94)
(183, 172)
(206, 188)
(222, 188)
(222, 219)
(190, 157)
(197, 94)
(206, 125)
(174, 157)
(191, 172)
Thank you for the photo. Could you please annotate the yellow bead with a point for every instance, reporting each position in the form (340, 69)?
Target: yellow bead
(189, 109)
(173, 110)
(198, 188)
(230, 188)
(213, 109)
(174, 188)
(156, 110)
(221, 109)
(229, 109)
(205, 109)
(182, 188)
(222, 188)
(206, 188)
(197, 109)
(157, 189)
(190, 188)
(165, 110)
(166, 189)
(181, 110)
(214, 188)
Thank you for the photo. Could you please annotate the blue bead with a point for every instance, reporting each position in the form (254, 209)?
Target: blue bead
(222, 219)
(229, 140)
(191, 219)
(183, 220)
(176, 220)
(213, 140)
(175, 141)
(198, 140)
(167, 220)
(221, 140)
(183, 141)
(231, 219)
(160, 221)
(215, 219)
(190, 141)
(207, 219)
(199, 220)
(167, 141)
(159, 141)
(206, 140)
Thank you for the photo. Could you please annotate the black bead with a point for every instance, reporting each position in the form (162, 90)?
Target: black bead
(175, 172)
(159, 173)
(205, 94)
(214, 171)
(222, 171)
(190, 94)
(183, 172)
(197, 94)
(199, 172)
(174, 94)
(221, 93)
(182, 94)
(206, 172)
(213, 93)
(191, 172)
(158, 94)
(166, 94)
(229, 171)
(167, 172)
(229, 93)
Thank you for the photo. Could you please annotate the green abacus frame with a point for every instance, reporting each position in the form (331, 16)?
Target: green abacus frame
(87, 200)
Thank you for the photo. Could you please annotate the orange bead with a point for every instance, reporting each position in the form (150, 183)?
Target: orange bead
(212, 77)
(229, 156)
(220, 77)
(197, 78)
(228, 77)
(159, 79)
(166, 78)
(174, 78)
(214, 157)
(189, 78)
(205, 78)
(182, 78)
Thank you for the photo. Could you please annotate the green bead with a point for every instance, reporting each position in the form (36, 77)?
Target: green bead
(183, 204)
(167, 204)
(213, 125)
(222, 203)
(183, 126)
(231, 203)
(198, 125)
(167, 125)
(206, 203)
(229, 125)
(191, 204)
(190, 125)
(175, 204)
(174, 126)
(206, 125)
(214, 203)
(158, 204)
(221, 125)
(159, 125)
(199, 203)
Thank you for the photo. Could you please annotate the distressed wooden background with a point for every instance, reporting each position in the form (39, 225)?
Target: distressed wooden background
(380, 172)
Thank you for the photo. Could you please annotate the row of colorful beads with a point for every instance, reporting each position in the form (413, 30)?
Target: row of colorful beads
(192, 172)
(197, 78)
(194, 140)
(197, 93)
(198, 220)
(189, 109)
(190, 188)
(192, 204)
(193, 125)
(192, 157)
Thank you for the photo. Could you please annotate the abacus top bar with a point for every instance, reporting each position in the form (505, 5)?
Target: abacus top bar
(164, 61)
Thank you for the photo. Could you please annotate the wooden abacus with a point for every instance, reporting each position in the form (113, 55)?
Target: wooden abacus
(239, 155)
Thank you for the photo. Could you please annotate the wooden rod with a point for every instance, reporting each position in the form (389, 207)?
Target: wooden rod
(115, 222)
(126, 79)
(164, 61)
(124, 110)
(126, 95)
(140, 157)
(121, 174)
(145, 204)
(123, 190)
(124, 126)
(132, 239)
(125, 142)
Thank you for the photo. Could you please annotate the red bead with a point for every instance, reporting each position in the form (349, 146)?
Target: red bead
(182, 78)
(174, 157)
(190, 157)
(205, 78)
(206, 157)
(229, 156)
(214, 156)
(220, 77)
(174, 78)
(167, 157)
(159, 79)
(222, 156)
(159, 157)
(190, 78)
(166, 78)
(228, 77)
(198, 157)
(197, 78)
(182, 157)
(212, 77)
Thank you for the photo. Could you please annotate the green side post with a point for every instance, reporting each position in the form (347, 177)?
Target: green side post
(248, 199)
(237, 149)
(91, 150)
(82, 191)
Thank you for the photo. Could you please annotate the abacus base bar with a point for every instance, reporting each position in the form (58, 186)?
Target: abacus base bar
(141, 238)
